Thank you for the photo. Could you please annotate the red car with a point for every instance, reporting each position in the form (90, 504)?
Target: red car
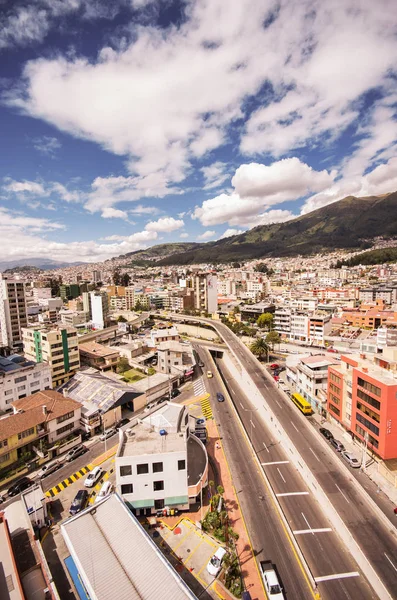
(274, 366)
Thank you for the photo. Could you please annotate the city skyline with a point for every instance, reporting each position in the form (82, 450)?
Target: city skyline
(152, 122)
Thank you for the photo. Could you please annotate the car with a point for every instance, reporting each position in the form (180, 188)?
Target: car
(220, 397)
(209, 374)
(351, 459)
(395, 511)
(79, 502)
(108, 433)
(215, 562)
(2, 499)
(201, 364)
(75, 452)
(93, 476)
(48, 469)
(339, 447)
(19, 486)
(200, 422)
(122, 423)
(274, 366)
(162, 399)
(105, 490)
(326, 433)
(175, 393)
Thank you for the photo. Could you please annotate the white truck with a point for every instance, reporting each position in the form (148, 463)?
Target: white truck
(273, 588)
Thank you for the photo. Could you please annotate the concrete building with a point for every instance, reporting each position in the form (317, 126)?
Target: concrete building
(41, 293)
(99, 309)
(58, 346)
(96, 276)
(205, 288)
(362, 394)
(312, 380)
(175, 358)
(115, 558)
(20, 378)
(319, 326)
(73, 317)
(13, 311)
(98, 356)
(68, 291)
(160, 463)
(166, 334)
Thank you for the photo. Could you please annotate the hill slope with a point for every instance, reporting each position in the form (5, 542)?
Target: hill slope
(165, 250)
(349, 223)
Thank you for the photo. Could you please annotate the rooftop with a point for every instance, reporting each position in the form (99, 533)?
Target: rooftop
(14, 363)
(117, 558)
(95, 349)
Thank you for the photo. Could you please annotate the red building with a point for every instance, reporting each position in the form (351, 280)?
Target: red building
(362, 396)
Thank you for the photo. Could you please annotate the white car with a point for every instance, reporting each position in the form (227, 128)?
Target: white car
(108, 433)
(93, 476)
(215, 562)
(352, 460)
(105, 490)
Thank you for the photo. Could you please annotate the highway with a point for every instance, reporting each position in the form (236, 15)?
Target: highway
(377, 541)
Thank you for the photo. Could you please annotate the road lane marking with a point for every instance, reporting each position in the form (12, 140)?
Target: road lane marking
(253, 424)
(266, 447)
(293, 494)
(294, 426)
(278, 403)
(394, 567)
(276, 462)
(321, 530)
(307, 522)
(314, 454)
(242, 405)
(336, 576)
(281, 475)
(348, 501)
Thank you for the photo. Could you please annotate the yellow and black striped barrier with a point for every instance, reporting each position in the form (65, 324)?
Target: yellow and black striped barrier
(68, 481)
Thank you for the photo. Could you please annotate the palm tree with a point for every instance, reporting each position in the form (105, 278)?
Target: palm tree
(260, 348)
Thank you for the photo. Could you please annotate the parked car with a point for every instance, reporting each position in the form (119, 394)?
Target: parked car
(19, 486)
(215, 562)
(93, 476)
(209, 374)
(48, 469)
(79, 502)
(75, 452)
(220, 397)
(105, 490)
(108, 433)
(326, 433)
(162, 400)
(352, 460)
(2, 499)
(175, 392)
(122, 423)
(200, 422)
(201, 364)
(339, 447)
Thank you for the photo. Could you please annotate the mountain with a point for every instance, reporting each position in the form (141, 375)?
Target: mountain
(45, 264)
(351, 223)
(161, 250)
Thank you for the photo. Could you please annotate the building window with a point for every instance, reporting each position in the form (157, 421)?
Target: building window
(370, 413)
(368, 399)
(142, 469)
(181, 465)
(3, 443)
(26, 433)
(20, 388)
(63, 418)
(335, 378)
(158, 486)
(333, 409)
(159, 504)
(157, 467)
(367, 424)
(369, 387)
(363, 433)
(125, 470)
(19, 379)
(127, 488)
(334, 399)
(65, 428)
(5, 457)
(8, 392)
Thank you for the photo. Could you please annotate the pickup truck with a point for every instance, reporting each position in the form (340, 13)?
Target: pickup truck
(273, 588)
(48, 469)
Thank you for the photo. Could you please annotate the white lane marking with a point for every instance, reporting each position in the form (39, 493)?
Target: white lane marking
(394, 567)
(278, 403)
(266, 447)
(252, 423)
(242, 405)
(336, 576)
(232, 390)
(321, 530)
(276, 462)
(307, 522)
(293, 494)
(314, 454)
(281, 475)
(294, 426)
(348, 501)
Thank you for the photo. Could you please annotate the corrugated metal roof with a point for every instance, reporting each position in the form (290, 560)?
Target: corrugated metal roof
(117, 559)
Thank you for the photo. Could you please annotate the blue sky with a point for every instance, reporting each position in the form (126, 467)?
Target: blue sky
(130, 123)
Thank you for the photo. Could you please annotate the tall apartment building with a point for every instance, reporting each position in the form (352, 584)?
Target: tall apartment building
(99, 309)
(13, 311)
(362, 394)
(133, 296)
(57, 346)
(96, 276)
(205, 287)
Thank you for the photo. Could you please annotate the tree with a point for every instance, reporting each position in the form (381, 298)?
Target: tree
(125, 279)
(151, 371)
(273, 337)
(260, 348)
(121, 319)
(236, 265)
(265, 321)
(116, 277)
(138, 305)
(123, 365)
(261, 268)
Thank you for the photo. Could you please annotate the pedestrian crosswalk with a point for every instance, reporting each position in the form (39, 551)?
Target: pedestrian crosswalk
(199, 387)
(206, 407)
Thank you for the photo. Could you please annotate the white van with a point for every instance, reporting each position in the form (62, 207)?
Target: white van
(105, 490)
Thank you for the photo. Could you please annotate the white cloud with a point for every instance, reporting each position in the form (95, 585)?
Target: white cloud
(214, 175)
(183, 236)
(165, 224)
(230, 233)
(47, 145)
(28, 187)
(12, 221)
(114, 213)
(206, 235)
(258, 187)
(143, 210)
(273, 216)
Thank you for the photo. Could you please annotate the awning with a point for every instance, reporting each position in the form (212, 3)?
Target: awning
(141, 503)
(174, 500)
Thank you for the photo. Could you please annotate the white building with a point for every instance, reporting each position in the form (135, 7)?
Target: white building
(13, 311)
(312, 380)
(20, 378)
(99, 309)
(41, 293)
(205, 287)
(159, 463)
(386, 336)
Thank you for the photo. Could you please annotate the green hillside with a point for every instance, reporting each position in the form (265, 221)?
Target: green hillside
(372, 257)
